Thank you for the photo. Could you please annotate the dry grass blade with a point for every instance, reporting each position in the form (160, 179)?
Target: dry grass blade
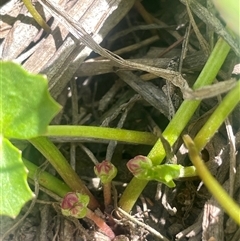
(211, 20)
(81, 35)
(79, 32)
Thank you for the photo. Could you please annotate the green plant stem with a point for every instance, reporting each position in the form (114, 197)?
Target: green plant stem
(38, 18)
(58, 161)
(47, 180)
(103, 133)
(210, 182)
(217, 118)
(188, 172)
(178, 123)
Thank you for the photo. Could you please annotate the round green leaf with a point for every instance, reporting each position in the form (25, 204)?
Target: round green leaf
(26, 106)
(15, 191)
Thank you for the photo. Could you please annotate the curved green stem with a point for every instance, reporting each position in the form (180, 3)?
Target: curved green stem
(36, 15)
(47, 180)
(217, 118)
(178, 123)
(210, 182)
(58, 161)
(103, 133)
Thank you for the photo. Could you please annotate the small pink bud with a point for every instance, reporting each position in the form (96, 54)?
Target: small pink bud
(74, 204)
(139, 165)
(69, 200)
(106, 171)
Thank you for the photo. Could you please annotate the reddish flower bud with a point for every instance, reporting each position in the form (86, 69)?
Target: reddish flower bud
(75, 205)
(139, 166)
(106, 171)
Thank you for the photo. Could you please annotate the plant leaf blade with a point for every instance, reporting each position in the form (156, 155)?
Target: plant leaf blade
(15, 191)
(26, 105)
